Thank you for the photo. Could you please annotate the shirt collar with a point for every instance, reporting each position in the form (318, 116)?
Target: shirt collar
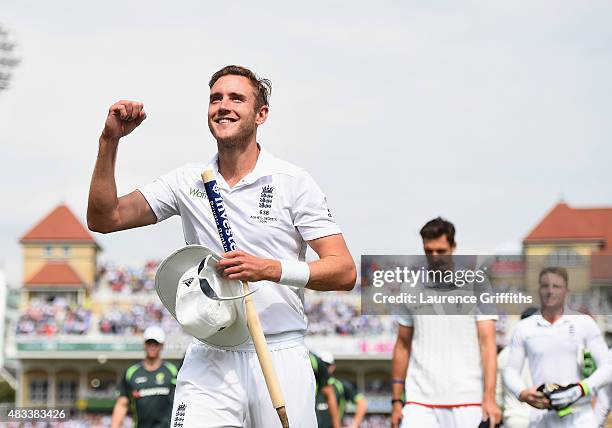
(543, 321)
(264, 166)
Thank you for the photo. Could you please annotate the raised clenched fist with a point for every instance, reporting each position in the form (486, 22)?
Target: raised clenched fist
(123, 117)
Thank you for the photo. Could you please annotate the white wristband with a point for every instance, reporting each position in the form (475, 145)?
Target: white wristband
(294, 273)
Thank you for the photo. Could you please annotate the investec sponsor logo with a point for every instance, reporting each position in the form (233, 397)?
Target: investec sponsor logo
(226, 231)
(149, 392)
(197, 193)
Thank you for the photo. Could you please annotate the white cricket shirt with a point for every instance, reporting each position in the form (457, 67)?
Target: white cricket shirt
(554, 352)
(272, 211)
(445, 367)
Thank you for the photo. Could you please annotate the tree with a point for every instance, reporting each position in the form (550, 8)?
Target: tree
(8, 60)
(7, 394)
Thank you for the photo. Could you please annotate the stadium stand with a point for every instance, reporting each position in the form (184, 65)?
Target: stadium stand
(80, 324)
(56, 316)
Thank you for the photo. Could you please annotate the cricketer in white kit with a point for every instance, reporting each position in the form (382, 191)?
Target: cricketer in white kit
(444, 364)
(553, 343)
(275, 210)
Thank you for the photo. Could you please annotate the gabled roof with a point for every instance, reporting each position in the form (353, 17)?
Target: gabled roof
(566, 224)
(55, 274)
(60, 225)
(576, 224)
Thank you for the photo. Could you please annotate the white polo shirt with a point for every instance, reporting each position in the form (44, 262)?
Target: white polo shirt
(273, 211)
(554, 352)
(445, 367)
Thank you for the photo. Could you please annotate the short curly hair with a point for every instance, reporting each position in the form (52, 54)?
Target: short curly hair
(263, 87)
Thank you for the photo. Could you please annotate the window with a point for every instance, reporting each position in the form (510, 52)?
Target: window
(565, 257)
(38, 390)
(48, 251)
(66, 251)
(66, 390)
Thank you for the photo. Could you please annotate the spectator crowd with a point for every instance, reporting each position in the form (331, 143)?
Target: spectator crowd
(331, 316)
(53, 317)
(136, 319)
(127, 280)
(327, 315)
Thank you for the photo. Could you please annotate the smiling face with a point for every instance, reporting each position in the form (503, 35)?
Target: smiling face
(233, 114)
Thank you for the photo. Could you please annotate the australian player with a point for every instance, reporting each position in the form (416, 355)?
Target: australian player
(147, 387)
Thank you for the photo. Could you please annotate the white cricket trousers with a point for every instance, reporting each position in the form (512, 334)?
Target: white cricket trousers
(220, 388)
(417, 416)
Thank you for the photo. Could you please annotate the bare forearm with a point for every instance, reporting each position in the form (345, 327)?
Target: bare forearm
(399, 368)
(335, 269)
(488, 355)
(489, 369)
(103, 201)
(360, 411)
(119, 412)
(332, 406)
(332, 273)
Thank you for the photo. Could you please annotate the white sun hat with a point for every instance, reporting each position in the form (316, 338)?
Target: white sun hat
(327, 357)
(154, 333)
(206, 305)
